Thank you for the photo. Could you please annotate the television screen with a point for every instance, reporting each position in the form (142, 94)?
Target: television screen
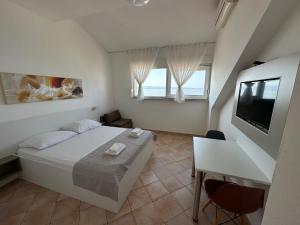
(256, 102)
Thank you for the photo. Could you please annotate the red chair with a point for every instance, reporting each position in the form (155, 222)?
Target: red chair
(233, 198)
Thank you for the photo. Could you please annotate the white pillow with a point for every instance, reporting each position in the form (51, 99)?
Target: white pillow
(81, 126)
(46, 140)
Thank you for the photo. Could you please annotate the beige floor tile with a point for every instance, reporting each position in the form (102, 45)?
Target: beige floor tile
(184, 198)
(146, 169)
(65, 207)
(43, 198)
(162, 172)
(26, 189)
(84, 205)
(39, 215)
(186, 163)
(191, 187)
(71, 219)
(4, 197)
(156, 190)
(7, 192)
(175, 167)
(181, 219)
(185, 177)
(167, 208)
(147, 215)
(206, 218)
(167, 158)
(185, 146)
(15, 206)
(137, 184)
(189, 212)
(138, 197)
(92, 216)
(204, 197)
(62, 197)
(127, 219)
(148, 177)
(154, 162)
(13, 220)
(172, 184)
(179, 156)
(125, 209)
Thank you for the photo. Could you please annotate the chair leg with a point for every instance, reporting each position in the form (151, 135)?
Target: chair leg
(218, 216)
(206, 205)
(193, 167)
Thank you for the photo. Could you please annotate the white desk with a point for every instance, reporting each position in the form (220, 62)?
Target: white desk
(225, 158)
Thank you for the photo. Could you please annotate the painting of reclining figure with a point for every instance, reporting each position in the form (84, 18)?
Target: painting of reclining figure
(23, 88)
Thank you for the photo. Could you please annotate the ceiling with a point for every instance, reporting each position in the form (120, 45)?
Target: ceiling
(118, 26)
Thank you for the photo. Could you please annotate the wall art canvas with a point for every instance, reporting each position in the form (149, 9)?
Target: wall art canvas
(24, 88)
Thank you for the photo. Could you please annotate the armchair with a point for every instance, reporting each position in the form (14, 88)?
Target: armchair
(114, 119)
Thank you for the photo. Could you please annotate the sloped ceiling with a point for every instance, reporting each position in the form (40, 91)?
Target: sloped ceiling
(118, 26)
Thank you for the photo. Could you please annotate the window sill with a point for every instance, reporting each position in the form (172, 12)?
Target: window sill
(172, 99)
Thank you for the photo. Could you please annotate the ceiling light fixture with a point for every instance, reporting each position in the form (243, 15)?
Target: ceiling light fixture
(139, 2)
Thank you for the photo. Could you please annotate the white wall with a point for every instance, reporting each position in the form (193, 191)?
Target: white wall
(278, 46)
(286, 40)
(225, 120)
(189, 117)
(33, 44)
(233, 39)
(283, 202)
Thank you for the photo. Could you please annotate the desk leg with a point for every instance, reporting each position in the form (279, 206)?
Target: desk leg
(193, 167)
(199, 180)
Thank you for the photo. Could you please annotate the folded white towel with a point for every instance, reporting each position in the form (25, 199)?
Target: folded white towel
(136, 132)
(115, 149)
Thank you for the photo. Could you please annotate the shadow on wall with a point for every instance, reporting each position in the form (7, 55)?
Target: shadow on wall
(2, 101)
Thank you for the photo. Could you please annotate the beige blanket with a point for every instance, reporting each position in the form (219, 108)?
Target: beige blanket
(102, 173)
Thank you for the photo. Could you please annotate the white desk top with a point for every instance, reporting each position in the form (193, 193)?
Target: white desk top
(226, 158)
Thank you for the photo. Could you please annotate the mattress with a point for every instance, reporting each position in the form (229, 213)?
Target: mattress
(64, 155)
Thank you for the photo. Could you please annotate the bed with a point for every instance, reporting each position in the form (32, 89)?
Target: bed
(53, 167)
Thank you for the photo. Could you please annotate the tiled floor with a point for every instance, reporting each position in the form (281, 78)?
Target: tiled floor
(162, 195)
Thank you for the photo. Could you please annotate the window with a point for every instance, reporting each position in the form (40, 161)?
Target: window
(270, 89)
(155, 85)
(161, 84)
(195, 86)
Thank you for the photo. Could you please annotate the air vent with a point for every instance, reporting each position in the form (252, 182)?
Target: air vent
(224, 10)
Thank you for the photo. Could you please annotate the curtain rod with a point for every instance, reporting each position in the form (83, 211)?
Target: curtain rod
(120, 51)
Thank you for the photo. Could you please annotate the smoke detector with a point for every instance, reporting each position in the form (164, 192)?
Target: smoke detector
(139, 2)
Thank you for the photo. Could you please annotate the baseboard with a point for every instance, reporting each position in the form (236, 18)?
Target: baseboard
(177, 133)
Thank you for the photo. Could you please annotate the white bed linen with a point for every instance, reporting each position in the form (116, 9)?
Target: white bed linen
(64, 155)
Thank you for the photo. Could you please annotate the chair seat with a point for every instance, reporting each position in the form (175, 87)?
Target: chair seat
(233, 197)
(212, 186)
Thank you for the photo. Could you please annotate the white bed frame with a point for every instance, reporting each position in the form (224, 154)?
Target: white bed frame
(60, 180)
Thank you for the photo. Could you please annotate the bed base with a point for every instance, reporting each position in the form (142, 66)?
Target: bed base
(60, 180)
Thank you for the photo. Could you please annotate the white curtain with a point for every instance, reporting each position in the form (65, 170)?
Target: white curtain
(183, 61)
(141, 62)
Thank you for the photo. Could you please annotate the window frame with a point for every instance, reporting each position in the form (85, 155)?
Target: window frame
(168, 95)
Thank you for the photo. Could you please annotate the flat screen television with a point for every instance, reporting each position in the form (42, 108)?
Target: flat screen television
(256, 102)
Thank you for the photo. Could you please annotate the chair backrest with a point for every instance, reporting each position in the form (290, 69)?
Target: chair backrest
(237, 198)
(112, 116)
(215, 134)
